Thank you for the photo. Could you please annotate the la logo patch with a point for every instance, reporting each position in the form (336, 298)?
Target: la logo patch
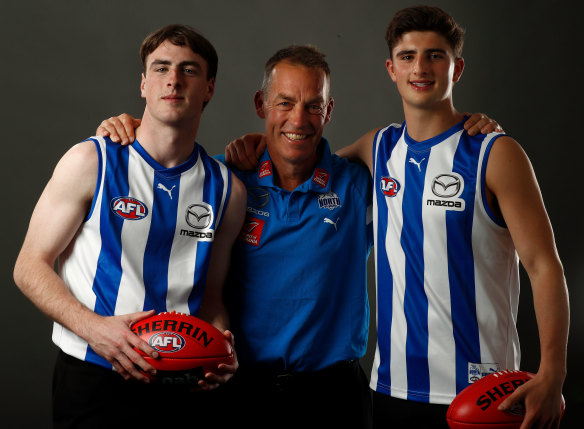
(389, 186)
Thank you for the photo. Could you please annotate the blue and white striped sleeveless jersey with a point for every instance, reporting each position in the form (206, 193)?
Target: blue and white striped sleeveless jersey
(146, 243)
(446, 269)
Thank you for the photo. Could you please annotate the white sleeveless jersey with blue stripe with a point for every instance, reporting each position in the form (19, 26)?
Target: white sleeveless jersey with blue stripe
(446, 270)
(146, 243)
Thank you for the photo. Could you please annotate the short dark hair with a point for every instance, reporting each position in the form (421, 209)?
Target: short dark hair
(304, 55)
(425, 18)
(181, 35)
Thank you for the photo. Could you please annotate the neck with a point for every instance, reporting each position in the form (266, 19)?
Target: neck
(169, 145)
(290, 180)
(425, 123)
(289, 176)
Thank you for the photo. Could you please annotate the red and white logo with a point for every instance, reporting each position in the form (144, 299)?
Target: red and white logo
(265, 168)
(321, 177)
(167, 342)
(389, 186)
(129, 208)
(251, 233)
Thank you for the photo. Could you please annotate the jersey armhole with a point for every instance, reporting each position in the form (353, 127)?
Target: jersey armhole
(99, 174)
(495, 219)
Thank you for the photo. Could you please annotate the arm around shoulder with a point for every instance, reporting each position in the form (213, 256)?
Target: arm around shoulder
(361, 150)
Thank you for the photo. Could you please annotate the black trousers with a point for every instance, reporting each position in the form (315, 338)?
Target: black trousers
(89, 396)
(389, 412)
(335, 397)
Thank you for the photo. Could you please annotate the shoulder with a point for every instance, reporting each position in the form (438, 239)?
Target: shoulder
(81, 159)
(393, 131)
(355, 176)
(75, 176)
(342, 166)
(508, 165)
(505, 152)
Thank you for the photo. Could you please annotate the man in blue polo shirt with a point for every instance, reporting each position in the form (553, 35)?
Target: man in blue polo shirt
(297, 298)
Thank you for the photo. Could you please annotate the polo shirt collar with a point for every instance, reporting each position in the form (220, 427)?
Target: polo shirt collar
(320, 181)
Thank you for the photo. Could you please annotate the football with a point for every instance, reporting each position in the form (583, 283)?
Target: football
(476, 405)
(188, 346)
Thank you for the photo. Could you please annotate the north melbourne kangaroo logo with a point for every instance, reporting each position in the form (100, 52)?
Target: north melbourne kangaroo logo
(413, 161)
(165, 189)
(327, 220)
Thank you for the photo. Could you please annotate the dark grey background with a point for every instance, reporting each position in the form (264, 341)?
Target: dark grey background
(69, 64)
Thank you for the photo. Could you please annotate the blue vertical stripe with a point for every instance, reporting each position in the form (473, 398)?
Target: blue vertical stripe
(461, 263)
(159, 244)
(415, 300)
(109, 268)
(212, 187)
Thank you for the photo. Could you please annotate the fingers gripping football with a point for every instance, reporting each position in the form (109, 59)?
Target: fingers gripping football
(112, 338)
(224, 371)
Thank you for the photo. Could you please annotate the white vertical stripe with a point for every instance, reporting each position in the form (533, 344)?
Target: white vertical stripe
(397, 261)
(441, 347)
(183, 254)
(131, 293)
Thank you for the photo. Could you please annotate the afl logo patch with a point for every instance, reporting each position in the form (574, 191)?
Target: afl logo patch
(199, 216)
(389, 186)
(167, 342)
(129, 208)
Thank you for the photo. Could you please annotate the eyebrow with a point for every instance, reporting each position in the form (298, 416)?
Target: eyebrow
(285, 97)
(413, 51)
(181, 64)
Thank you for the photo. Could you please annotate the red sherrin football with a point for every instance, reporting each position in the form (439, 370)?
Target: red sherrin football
(188, 346)
(476, 406)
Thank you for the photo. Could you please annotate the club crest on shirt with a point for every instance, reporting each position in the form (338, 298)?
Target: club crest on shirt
(129, 208)
(476, 371)
(330, 201)
(389, 186)
(446, 188)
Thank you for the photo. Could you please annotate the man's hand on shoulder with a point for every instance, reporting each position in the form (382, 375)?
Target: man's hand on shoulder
(479, 123)
(244, 152)
(120, 129)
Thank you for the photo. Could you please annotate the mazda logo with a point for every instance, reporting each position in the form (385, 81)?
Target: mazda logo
(199, 216)
(257, 197)
(446, 185)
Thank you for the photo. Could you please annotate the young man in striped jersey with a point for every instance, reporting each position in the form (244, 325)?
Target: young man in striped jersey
(136, 230)
(452, 215)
